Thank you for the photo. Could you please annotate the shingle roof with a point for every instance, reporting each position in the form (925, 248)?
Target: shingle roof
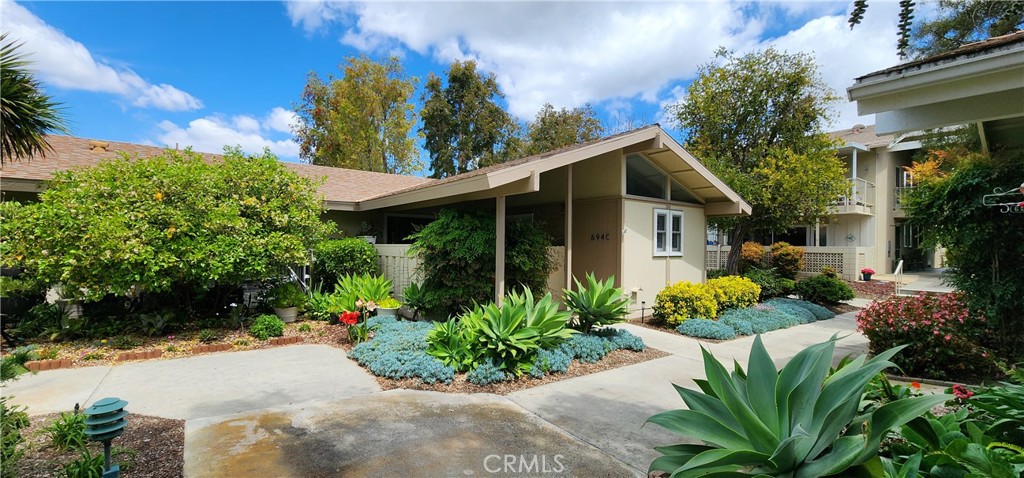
(968, 50)
(864, 135)
(341, 185)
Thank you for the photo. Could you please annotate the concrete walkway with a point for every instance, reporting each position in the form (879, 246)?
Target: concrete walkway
(307, 410)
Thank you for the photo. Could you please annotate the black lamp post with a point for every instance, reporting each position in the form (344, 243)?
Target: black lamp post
(104, 421)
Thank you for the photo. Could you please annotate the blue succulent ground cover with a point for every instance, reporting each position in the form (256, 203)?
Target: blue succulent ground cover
(399, 350)
(774, 314)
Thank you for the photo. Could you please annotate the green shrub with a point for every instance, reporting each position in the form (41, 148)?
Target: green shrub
(801, 314)
(752, 254)
(304, 328)
(456, 253)
(684, 300)
(788, 260)
(486, 373)
(321, 305)
(266, 326)
(12, 420)
(599, 303)
(764, 318)
(943, 336)
(389, 303)
(555, 360)
(706, 329)
(67, 431)
(823, 290)
(86, 465)
(733, 291)
(12, 364)
(334, 258)
(170, 223)
(286, 294)
(770, 282)
(208, 335)
(124, 342)
(798, 421)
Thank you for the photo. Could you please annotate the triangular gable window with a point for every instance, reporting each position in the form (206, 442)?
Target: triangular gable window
(643, 178)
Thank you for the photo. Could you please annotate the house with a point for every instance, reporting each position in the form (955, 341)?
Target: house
(980, 84)
(634, 205)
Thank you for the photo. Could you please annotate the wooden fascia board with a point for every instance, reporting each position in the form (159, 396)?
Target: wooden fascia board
(727, 208)
(22, 185)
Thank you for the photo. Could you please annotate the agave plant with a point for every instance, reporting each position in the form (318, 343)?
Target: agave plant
(500, 333)
(543, 316)
(600, 303)
(796, 422)
(450, 343)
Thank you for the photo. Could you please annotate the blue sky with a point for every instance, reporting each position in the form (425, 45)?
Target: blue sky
(208, 74)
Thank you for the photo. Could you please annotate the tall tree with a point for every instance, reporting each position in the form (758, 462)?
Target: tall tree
(959, 22)
(553, 129)
(757, 122)
(26, 112)
(362, 120)
(463, 124)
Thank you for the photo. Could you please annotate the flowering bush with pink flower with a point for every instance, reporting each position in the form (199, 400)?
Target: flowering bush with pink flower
(943, 336)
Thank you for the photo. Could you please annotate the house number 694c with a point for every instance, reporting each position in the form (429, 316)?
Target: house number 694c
(600, 237)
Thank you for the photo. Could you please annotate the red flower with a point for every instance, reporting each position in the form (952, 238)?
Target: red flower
(961, 392)
(349, 318)
(915, 385)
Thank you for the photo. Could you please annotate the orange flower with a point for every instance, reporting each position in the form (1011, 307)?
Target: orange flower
(915, 385)
(159, 196)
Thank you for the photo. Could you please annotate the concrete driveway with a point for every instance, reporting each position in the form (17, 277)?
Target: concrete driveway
(307, 411)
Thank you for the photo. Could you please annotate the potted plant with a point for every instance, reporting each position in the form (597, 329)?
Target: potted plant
(69, 299)
(867, 272)
(286, 299)
(368, 232)
(388, 306)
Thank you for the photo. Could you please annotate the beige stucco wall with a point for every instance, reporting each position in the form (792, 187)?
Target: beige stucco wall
(644, 274)
(349, 223)
(598, 177)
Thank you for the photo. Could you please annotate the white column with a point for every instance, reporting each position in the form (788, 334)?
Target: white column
(499, 252)
(853, 177)
(817, 231)
(568, 229)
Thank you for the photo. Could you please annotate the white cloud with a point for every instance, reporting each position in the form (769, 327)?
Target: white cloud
(571, 53)
(211, 133)
(66, 63)
(563, 53)
(281, 120)
(843, 54)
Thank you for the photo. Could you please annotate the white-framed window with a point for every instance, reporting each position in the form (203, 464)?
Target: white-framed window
(668, 232)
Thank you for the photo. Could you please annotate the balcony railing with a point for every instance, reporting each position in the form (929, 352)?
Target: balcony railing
(861, 199)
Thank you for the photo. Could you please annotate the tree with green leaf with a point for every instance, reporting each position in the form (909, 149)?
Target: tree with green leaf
(362, 120)
(984, 250)
(553, 129)
(758, 121)
(173, 223)
(464, 127)
(27, 114)
(959, 22)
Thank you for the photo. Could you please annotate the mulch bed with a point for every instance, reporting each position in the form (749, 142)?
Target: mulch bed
(874, 289)
(158, 443)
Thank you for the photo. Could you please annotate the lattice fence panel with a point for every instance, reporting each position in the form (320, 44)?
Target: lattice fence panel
(814, 261)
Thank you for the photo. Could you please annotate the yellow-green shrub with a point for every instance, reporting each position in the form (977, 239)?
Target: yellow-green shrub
(684, 300)
(733, 291)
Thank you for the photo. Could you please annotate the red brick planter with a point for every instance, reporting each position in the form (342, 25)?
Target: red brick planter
(201, 349)
(41, 365)
(285, 340)
(147, 354)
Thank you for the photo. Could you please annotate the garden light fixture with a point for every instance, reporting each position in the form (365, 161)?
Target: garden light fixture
(104, 421)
